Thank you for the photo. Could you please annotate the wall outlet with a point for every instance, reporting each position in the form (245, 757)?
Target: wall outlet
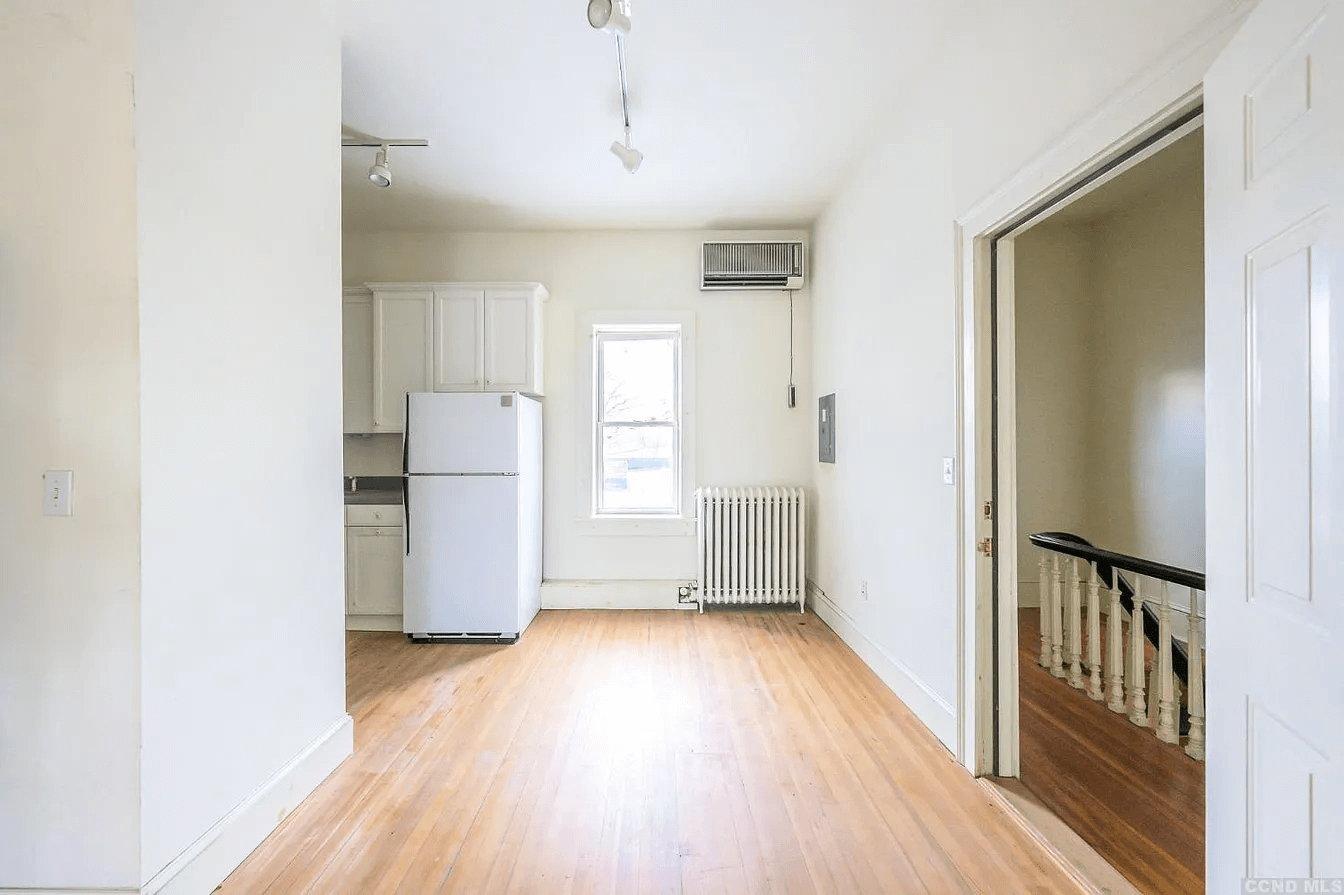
(863, 590)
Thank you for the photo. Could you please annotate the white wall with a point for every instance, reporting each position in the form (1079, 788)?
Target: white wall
(1148, 386)
(69, 588)
(236, 126)
(1053, 294)
(1014, 78)
(746, 435)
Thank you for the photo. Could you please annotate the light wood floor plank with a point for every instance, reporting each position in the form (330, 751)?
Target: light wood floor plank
(742, 753)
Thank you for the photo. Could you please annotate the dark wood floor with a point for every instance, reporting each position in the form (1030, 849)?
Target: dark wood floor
(1137, 801)
(732, 753)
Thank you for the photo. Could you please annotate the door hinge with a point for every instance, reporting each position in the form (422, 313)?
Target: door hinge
(988, 509)
(987, 546)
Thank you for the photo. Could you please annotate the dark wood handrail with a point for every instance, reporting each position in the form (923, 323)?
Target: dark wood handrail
(1072, 545)
(1109, 565)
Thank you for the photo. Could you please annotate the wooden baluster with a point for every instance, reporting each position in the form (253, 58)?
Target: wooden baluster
(1166, 682)
(1056, 626)
(1194, 744)
(1094, 636)
(1044, 660)
(1115, 651)
(1075, 626)
(1138, 706)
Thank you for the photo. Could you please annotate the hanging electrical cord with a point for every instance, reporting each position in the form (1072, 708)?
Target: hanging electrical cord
(793, 395)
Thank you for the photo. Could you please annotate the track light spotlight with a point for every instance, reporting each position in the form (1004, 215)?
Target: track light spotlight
(380, 173)
(630, 157)
(605, 15)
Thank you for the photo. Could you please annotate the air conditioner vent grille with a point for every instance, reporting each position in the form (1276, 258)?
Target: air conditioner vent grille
(752, 265)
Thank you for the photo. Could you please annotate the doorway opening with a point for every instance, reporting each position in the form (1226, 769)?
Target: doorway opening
(1105, 310)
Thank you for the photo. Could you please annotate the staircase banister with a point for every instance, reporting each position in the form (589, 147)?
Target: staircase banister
(1062, 542)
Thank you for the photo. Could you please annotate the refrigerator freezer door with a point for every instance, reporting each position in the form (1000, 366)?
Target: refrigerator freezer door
(462, 433)
(462, 556)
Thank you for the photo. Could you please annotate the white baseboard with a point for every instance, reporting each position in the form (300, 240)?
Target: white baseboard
(937, 713)
(211, 858)
(563, 593)
(5, 891)
(67, 891)
(1028, 594)
(373, 623)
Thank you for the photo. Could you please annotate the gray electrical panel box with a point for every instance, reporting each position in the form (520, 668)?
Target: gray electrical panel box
(826, 428)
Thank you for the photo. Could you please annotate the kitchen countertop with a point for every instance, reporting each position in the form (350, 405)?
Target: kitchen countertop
(374, 497)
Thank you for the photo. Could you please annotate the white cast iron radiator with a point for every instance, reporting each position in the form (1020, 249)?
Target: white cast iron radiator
(751, 545)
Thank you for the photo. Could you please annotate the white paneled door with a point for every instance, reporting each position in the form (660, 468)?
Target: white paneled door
(1274, 118)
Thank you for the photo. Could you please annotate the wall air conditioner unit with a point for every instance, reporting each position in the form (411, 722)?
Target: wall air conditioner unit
(751, 265)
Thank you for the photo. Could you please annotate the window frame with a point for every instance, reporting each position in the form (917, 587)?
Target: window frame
(602, 334)
(582, 502)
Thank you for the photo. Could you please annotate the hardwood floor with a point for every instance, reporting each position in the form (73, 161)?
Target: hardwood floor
(624, 752)
(1137, 801)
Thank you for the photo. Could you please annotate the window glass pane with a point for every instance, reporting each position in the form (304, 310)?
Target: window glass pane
(637, 380)
(638, 468)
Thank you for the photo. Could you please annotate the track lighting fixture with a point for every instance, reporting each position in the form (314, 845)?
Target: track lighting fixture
(630, 156)
(613, 17)
(379, 173)
(605, 15)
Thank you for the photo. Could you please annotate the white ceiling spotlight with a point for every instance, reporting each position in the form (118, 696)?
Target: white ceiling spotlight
(613, 17)
(630, 156)
(379, 172)
(605, 15)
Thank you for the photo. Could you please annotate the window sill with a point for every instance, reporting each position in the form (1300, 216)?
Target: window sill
(637, 526)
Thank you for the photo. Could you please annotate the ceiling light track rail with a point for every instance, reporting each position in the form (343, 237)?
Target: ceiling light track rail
(375, 143)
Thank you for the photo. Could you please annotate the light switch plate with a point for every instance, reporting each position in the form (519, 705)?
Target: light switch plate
(949, 471)
(56, 496)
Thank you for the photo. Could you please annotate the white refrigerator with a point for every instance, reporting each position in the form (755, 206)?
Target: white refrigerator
(471, 467)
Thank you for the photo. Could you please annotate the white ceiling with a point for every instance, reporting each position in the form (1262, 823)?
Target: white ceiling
(748, 112)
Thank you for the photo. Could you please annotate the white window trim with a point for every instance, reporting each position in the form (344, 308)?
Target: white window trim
(662, 524)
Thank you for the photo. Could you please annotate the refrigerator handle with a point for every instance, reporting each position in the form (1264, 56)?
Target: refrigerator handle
(406, 437)
(405, 473)
(406, 510)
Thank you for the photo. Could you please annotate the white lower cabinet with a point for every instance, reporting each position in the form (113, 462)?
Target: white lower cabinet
(373, 555)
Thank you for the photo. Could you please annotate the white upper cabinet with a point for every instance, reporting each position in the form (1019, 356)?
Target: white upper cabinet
(513, 339)
(440, 337)
(402, 361)
(487, 337)
(357, 359)
(459, 338)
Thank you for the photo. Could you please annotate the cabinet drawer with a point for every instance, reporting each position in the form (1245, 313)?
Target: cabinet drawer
(374, 515)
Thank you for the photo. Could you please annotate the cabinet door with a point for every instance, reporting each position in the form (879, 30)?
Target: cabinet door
(373, 570)
(357, 361)
(510, 334)
(459, 327)
(402, 361)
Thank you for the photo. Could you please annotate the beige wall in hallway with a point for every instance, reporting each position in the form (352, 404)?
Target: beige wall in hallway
(1110, 361)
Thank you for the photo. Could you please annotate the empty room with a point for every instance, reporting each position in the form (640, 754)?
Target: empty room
(610, 446)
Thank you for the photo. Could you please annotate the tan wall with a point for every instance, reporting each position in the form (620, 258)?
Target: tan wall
(1054, 297)
(1110, 368)
(1147, 421)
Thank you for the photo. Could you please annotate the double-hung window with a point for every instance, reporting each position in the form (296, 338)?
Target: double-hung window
(638, 420)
